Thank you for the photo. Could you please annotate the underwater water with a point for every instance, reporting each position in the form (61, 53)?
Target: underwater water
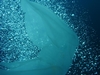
(20, 46)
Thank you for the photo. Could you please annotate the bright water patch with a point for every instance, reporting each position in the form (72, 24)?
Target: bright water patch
(14, 42)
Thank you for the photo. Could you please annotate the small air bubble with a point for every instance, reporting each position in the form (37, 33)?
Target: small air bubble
(72, 14)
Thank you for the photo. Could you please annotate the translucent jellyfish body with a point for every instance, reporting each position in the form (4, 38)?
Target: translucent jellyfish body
(56, 40)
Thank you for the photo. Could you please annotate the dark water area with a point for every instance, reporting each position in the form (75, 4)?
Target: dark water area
(93, 8)
(91, 49)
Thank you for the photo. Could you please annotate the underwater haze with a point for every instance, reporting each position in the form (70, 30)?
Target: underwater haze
(49, 37)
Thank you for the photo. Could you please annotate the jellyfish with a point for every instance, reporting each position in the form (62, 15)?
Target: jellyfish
(50, 33)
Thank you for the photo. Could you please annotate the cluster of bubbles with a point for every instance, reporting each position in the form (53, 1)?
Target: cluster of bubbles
(87, 55)
(14, 42)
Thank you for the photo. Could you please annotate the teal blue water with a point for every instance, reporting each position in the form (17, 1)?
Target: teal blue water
(86, 56)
